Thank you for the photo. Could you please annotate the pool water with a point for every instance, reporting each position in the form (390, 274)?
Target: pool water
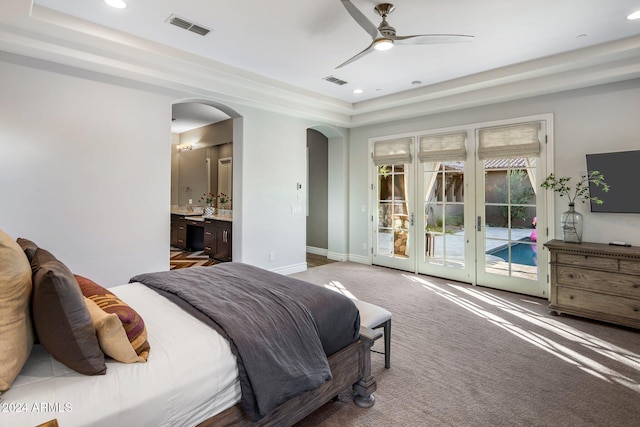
(521, 253)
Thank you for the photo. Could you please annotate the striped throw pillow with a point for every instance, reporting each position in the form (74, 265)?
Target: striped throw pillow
(110, 303)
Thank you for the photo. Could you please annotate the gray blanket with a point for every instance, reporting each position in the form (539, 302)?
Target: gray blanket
(269, 320)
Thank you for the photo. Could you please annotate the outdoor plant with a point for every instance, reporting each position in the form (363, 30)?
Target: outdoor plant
(578, 192)
(519, 192)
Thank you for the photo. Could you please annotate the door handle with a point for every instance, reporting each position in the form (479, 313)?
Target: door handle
(479, 223)
(411, 219)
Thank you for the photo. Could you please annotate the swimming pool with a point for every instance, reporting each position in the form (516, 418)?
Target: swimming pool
(521, 253)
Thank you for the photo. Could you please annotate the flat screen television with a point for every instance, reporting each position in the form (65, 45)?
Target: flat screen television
(621, 171)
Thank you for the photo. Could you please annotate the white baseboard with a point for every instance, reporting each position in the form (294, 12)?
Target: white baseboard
(316, 251)
(290, 269)
(337, 256)
(359, 259)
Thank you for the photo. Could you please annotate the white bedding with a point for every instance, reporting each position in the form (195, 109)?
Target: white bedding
(190, 376)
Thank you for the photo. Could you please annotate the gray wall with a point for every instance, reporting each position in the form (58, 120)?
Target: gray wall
(85, 171)
(317, 218)
(597, 119)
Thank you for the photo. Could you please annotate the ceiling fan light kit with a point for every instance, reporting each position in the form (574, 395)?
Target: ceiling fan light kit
(383, 44)
(118, 4)
(384, 35)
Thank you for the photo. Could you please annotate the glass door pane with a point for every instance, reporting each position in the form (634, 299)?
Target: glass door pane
(444, 213)
(393, 243)
(508, 258)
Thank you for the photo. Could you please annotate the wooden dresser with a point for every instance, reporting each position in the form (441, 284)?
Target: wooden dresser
(596, 280)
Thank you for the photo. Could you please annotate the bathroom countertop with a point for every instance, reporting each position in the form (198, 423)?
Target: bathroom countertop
(199, 217)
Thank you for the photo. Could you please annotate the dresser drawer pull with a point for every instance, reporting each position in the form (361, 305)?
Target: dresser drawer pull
(571, 276)
(635, 286)
(636, 309)
(570, 297)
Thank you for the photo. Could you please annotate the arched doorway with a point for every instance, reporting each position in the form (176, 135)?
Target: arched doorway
(211, 132)
(336, 189)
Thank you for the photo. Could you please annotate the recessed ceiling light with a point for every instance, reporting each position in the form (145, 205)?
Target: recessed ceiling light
(634, 15)
(118, 4)
(358, 91)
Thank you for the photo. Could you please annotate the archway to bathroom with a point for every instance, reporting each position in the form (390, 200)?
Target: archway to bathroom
(204, 136)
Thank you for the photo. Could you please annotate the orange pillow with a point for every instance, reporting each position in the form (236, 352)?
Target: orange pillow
(131, 320)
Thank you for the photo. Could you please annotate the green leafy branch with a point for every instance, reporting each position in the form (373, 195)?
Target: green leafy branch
(580, 191)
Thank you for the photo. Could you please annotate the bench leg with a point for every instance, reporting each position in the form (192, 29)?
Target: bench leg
(387, 344)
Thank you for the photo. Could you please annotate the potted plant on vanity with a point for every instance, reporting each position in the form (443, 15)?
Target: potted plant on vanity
(571, 221)
(224, 205)
(208, 199)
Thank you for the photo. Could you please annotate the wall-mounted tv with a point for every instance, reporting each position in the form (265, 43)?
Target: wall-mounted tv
(621, 171)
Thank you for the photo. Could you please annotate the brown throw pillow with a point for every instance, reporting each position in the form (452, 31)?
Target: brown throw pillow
(16, 332)
(28, 247)
(62, 321)
(131, 320)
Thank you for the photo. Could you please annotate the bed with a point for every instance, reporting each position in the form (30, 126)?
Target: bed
(192, 376)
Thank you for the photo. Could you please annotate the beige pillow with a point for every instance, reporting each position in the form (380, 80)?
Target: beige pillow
(16, 331)
(111, 334)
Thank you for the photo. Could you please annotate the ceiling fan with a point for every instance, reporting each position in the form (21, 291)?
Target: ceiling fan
(384, 35)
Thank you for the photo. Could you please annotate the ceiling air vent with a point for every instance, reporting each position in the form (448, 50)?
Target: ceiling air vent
(335, 80)
(188, 25)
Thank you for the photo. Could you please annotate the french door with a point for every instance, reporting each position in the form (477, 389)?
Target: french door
(451, 204)
(393, 232)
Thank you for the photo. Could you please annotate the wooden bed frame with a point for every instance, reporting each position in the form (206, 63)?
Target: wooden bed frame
(350, 367)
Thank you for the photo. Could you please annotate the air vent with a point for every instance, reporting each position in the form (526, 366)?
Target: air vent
(335, 80)
(188, 25)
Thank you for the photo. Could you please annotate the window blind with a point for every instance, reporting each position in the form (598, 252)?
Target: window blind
(519, 140)
(392, 152)
(442, 147)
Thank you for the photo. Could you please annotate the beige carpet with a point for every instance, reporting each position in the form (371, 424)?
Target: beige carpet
(471, 356)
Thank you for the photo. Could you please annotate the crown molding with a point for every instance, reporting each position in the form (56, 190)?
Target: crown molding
(56, 38)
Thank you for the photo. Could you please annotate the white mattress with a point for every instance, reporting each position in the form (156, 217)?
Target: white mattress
(190, 376)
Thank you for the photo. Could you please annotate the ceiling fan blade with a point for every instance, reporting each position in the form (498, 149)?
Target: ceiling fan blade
(362, 20)
(432, 38)
(358, 56)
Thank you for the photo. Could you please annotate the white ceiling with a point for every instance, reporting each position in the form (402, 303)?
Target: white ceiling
(299, 42)
(192, 115)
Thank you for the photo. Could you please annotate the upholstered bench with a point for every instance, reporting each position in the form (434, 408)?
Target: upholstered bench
(374, 317)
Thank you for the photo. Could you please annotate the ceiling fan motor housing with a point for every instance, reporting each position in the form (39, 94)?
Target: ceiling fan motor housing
(384, 9)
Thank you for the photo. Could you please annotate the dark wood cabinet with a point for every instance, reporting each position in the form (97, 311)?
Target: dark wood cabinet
(209, 238)
(178, 231)
(217, 239)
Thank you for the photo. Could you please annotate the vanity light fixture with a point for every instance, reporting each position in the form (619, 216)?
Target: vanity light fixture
(118, 4)
(184, 147)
